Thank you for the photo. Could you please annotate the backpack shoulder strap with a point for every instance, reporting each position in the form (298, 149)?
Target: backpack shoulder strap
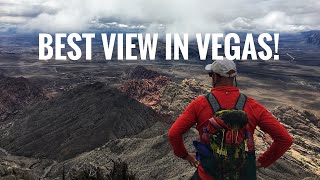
(241, 102)
(215, 106)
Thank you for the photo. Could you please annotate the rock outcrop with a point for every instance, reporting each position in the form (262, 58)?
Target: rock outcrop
(165, 96)
(304, 127)
(176, 97)
(112, 169)
(147, 91)
(18, 167)
(144, 85)
(147, 158)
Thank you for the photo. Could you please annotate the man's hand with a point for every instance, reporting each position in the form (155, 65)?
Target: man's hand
(191, 158)
(258, 164)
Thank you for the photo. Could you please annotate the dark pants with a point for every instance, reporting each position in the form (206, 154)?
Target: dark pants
(195, 176)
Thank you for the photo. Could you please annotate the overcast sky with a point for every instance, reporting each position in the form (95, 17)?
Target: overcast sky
(160, 15)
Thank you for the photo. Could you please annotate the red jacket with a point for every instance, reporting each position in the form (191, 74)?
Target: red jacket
(199, 111)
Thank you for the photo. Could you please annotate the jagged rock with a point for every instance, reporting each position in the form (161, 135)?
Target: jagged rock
(145, 158)
(147, 91)
(16, 93)
(175, 97)
(144, 85)
(312, 118)
(2, 170)
(303, 126)
(166, 97)
(18, 167)
(83, 171)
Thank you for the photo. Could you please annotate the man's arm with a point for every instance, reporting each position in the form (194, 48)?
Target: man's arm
(186, 120)
(282, 139)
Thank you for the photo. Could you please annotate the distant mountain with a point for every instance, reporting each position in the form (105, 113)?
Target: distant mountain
(313, 37)
(75, 122)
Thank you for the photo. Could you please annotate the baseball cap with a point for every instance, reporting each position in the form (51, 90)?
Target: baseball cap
(225, 68)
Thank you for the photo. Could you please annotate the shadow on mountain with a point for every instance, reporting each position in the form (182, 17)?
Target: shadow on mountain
(16, 93)
(75, 122)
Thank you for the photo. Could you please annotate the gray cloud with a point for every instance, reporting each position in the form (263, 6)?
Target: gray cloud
(161, 15)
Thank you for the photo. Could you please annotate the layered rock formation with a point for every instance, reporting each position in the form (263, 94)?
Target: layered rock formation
(147, 91)
(143, 85)
(168, 98)
(304, 127)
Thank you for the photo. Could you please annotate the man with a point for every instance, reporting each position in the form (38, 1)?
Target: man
(199, 111)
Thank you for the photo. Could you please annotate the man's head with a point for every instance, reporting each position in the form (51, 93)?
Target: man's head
(223, 72)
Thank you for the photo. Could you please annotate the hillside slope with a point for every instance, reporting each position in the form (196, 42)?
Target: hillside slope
(15, 94)
(77, 121)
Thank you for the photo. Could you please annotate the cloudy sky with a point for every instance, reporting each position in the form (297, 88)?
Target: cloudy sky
(160, 15)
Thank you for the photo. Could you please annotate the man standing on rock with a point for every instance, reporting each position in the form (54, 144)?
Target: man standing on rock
(226, 120)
